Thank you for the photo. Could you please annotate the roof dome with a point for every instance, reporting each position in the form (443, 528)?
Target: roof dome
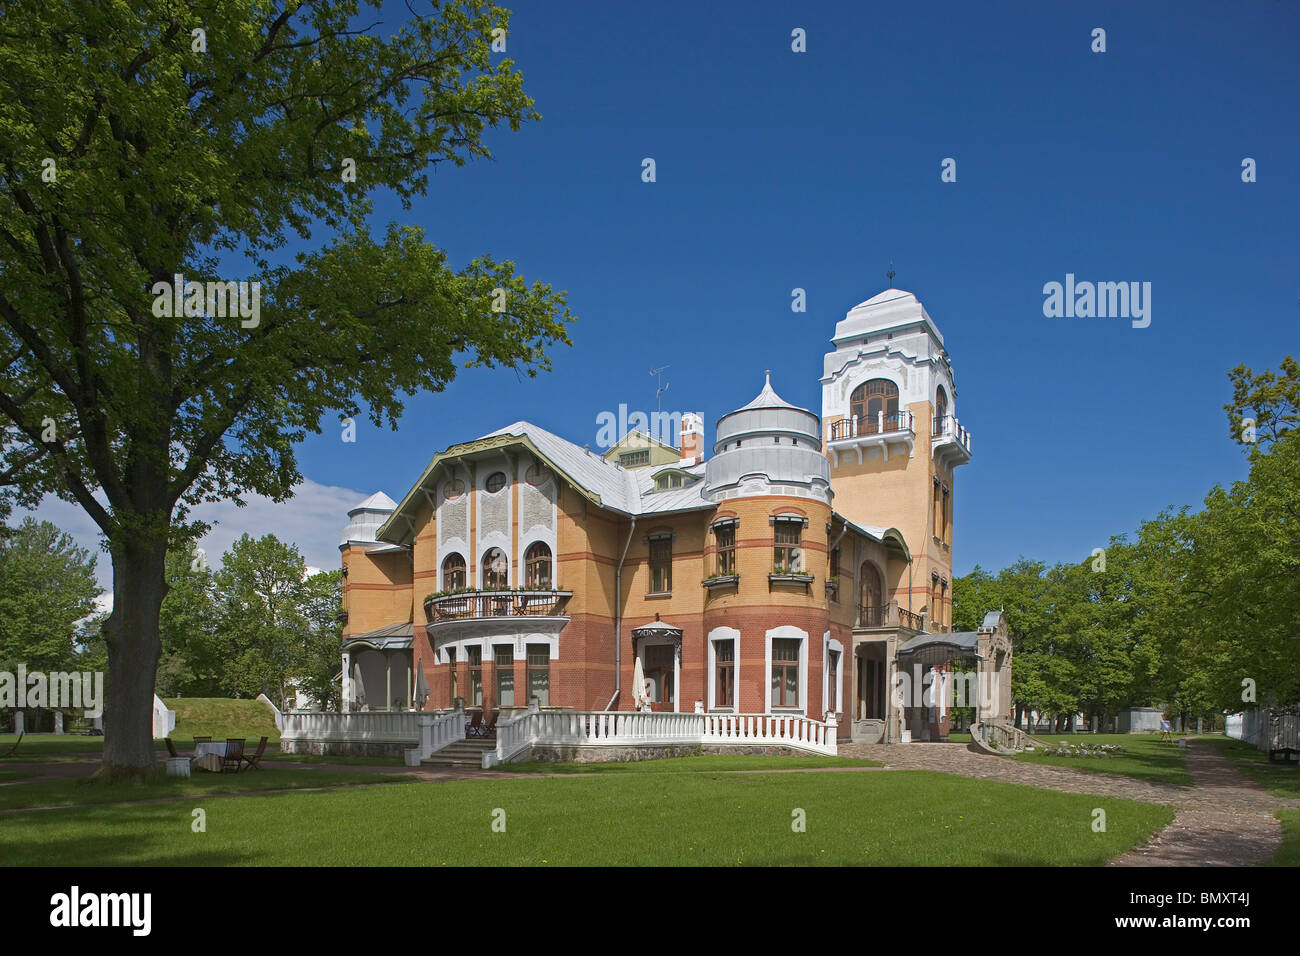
(769, 441)
(768, 398)
(366, 519)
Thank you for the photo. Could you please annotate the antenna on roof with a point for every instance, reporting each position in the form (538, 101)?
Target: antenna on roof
(890, 274)
(661, 387)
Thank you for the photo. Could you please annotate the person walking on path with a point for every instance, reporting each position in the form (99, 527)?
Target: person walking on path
(1166, 729)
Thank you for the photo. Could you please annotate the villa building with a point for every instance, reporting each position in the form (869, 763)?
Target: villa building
(795, 569)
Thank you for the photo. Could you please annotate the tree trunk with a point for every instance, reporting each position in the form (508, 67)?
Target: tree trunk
(134, 647)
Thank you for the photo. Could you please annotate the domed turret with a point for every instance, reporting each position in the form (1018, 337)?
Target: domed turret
(768, 447)
(364, 520)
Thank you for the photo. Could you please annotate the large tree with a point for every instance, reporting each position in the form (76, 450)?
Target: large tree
(145, 139)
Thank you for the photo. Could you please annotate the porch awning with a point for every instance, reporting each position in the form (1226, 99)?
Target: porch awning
(657, 628)
(962, 641)
(394, 637)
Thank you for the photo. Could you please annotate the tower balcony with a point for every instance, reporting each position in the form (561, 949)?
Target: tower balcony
(854, 435)
(950, 442)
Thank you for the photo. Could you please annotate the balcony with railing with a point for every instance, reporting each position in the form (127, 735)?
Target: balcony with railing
(887, 617)
(497, 611)
(950, 440)
(865, 432)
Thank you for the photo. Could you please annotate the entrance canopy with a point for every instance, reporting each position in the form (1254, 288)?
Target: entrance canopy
(394, 637)
(931, 650)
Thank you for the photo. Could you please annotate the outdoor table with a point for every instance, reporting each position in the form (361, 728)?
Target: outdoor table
(208, 756)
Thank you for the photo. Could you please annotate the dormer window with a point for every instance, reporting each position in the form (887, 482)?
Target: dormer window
(634, 459)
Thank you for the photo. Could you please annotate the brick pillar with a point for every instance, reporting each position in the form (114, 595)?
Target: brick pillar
(521, 682)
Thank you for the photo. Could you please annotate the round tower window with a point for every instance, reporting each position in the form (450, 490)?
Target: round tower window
(496, 481)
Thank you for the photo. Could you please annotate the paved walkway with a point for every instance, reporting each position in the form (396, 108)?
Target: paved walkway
(1223, 819)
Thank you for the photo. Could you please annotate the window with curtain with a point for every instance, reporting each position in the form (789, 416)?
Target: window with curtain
(539, 673)
(505, 668)
(787, 555)
(661, 565)
(537, 566)
(725, 537)
(724, 656)
(453, 572)
(785, 672)
(496, 569)
(476, 676)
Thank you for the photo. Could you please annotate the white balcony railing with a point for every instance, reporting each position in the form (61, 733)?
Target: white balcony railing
(948, 429)
(624, 728)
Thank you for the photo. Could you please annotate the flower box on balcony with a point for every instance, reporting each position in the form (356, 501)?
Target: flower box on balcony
(722, 581)
(790, 577)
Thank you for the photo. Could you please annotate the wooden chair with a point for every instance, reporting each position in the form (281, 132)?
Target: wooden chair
(255, 762)
(171, 747)
(11, 750)
(202, 740)
(234, 754)
(475, 726)
(490, 725)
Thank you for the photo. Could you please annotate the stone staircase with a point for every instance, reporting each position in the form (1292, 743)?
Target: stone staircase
(461, 755)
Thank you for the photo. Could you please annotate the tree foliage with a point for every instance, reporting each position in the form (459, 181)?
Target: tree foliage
(142, 140)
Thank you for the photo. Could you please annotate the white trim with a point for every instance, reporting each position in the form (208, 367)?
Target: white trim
(786, 631)
(832, 646)
(724, 634)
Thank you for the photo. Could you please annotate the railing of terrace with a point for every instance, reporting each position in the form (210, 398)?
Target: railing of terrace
(357, 726)
(626, 728)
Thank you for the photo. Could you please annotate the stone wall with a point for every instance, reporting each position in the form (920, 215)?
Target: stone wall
(344, 748)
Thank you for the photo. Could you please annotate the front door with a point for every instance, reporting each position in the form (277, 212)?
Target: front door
(659, 676)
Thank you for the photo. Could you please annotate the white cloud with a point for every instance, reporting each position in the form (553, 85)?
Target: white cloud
(313, 520)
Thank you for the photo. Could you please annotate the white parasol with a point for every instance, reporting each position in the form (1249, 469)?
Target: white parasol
(640, 699)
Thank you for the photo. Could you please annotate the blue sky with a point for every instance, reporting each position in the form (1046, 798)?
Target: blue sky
(778, 170)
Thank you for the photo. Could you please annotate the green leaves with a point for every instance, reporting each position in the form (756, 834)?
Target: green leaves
(47, 584)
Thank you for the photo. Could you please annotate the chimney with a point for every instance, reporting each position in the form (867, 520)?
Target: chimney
(692, 443)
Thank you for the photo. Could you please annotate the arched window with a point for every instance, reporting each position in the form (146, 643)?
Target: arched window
(870, 596)
(453, 572)
(936, 604)
(496, 569)
(870, 401)
(940, 410)
(537, 566)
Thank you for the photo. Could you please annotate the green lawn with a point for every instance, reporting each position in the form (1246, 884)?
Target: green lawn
(63, 793)
(1279, 779)
(219, 718)
(214, 717)
(1145, 757)
(882, 819)
(706, 763)
(1288, 853)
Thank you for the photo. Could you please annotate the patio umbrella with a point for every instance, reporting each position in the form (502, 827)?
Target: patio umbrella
(421, 689)
(358, 686)
(640, 699)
